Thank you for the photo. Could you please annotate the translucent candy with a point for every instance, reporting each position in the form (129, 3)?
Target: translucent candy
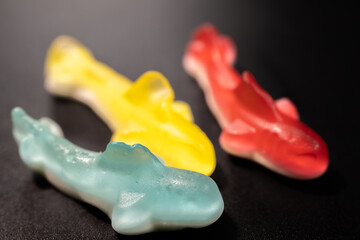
(254, 125)
(130, 184)
(142, 112)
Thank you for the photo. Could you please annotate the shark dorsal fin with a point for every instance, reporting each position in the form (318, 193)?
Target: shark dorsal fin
(119, 156)
(255, 99)
(151, 89)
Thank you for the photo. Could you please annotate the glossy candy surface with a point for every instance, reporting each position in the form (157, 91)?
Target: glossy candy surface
(142, 112)
(130, 184)
(254, 125)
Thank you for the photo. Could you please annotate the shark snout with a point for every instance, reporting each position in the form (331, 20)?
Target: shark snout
(206, 204)
(207, 211)
(311, 164)
(198, 200)
(306, 154)
(293, 151)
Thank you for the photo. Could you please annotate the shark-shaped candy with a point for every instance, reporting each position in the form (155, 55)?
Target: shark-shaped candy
(142, 112)
(127, 182)
(254, 125)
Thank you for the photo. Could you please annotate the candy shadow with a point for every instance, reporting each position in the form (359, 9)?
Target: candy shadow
(331, 183)
(80, 124)
(40, 181)
(220, 177)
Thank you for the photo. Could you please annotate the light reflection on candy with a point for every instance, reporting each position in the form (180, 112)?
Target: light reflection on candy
(142, 112)
(254, 125)
(127, 182)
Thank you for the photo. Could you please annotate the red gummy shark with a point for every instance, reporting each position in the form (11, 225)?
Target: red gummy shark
(254, 125)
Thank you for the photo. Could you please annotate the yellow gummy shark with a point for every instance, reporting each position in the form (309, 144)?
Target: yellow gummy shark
(141, 112)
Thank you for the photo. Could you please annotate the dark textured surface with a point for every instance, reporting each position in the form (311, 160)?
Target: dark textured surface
(306, 52)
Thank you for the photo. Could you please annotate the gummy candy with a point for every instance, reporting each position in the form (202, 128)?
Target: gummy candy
(127, 182)
(254, 125)
(142, 112)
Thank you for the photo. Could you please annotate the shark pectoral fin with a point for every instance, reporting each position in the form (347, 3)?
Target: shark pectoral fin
(239, 127)
(183, 109)
(151, 88)
(52, 126)
(239, 136)
(287, 107)
(130, 215)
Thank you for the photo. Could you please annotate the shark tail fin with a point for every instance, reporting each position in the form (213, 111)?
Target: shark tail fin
(208, 45)
(71, 67)
(26, 132)
(65, 61)
(36, 138)
(64, 47)
(24, 125)
(209, 36)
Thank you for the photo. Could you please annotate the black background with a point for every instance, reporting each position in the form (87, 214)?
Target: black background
(307, 52)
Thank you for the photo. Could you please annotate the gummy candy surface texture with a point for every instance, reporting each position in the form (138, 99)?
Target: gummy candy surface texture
(130, 184)
(254, 125)
(142, 112)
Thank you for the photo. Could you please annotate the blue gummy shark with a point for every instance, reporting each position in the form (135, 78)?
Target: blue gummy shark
(129, 183)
